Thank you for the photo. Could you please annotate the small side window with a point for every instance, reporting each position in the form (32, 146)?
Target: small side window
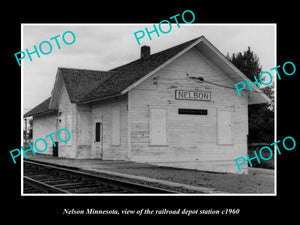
(98, 132)
(193, 111)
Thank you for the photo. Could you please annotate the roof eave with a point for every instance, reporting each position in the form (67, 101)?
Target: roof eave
(40, 113)
(162, 65)
(258, 98)
(100, 98)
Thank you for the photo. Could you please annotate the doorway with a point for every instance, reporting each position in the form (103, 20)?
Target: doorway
(224, 127)
(55, 150)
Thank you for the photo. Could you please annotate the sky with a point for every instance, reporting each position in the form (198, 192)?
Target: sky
(105, 46)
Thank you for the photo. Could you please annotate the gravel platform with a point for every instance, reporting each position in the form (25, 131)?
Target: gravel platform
(257, 181)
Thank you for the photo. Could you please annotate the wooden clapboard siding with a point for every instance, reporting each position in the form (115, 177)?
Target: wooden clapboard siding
(84, 131)
(103, 110)
(191, 138)
(67, 120)
(44, 125)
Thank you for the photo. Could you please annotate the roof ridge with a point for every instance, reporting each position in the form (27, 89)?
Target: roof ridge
(68, 68)
(84, 80)
(127, 74)
(160, 52)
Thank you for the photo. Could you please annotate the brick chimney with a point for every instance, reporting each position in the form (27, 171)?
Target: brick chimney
(145, 51)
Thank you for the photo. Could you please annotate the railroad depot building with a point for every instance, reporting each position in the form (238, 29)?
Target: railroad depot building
(172, 108)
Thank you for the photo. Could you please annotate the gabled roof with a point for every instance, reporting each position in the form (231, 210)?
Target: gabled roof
(85, 86)
(40, 109)
(80, 82)
(124, 76)
(131, 74)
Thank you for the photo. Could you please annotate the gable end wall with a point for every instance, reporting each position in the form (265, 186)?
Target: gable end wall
(192, 139)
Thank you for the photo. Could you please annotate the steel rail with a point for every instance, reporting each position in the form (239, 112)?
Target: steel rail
(43, 186)
(115, 182)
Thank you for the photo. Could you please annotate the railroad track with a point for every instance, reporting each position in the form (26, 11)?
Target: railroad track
(44, 178)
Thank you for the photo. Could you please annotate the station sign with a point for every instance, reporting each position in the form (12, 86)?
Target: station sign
(192, 95)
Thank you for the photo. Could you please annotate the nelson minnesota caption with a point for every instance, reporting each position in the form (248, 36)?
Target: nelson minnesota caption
(91, 211)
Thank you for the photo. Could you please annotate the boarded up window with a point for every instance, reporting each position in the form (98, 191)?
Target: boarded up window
(224, 124)
(84, 125)
(116, 126)
(158, 126)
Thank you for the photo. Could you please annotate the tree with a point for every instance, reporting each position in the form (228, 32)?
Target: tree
(247, 63)
(261, 116)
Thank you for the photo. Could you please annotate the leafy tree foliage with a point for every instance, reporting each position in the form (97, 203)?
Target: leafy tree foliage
(261, 116)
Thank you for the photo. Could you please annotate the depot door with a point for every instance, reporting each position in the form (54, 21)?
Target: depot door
(158, 126)
(224, 127)
(55, 150)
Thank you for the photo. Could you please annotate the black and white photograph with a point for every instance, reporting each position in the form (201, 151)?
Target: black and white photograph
(149, 109)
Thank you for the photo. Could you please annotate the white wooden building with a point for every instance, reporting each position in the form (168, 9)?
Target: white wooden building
(177, 107)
